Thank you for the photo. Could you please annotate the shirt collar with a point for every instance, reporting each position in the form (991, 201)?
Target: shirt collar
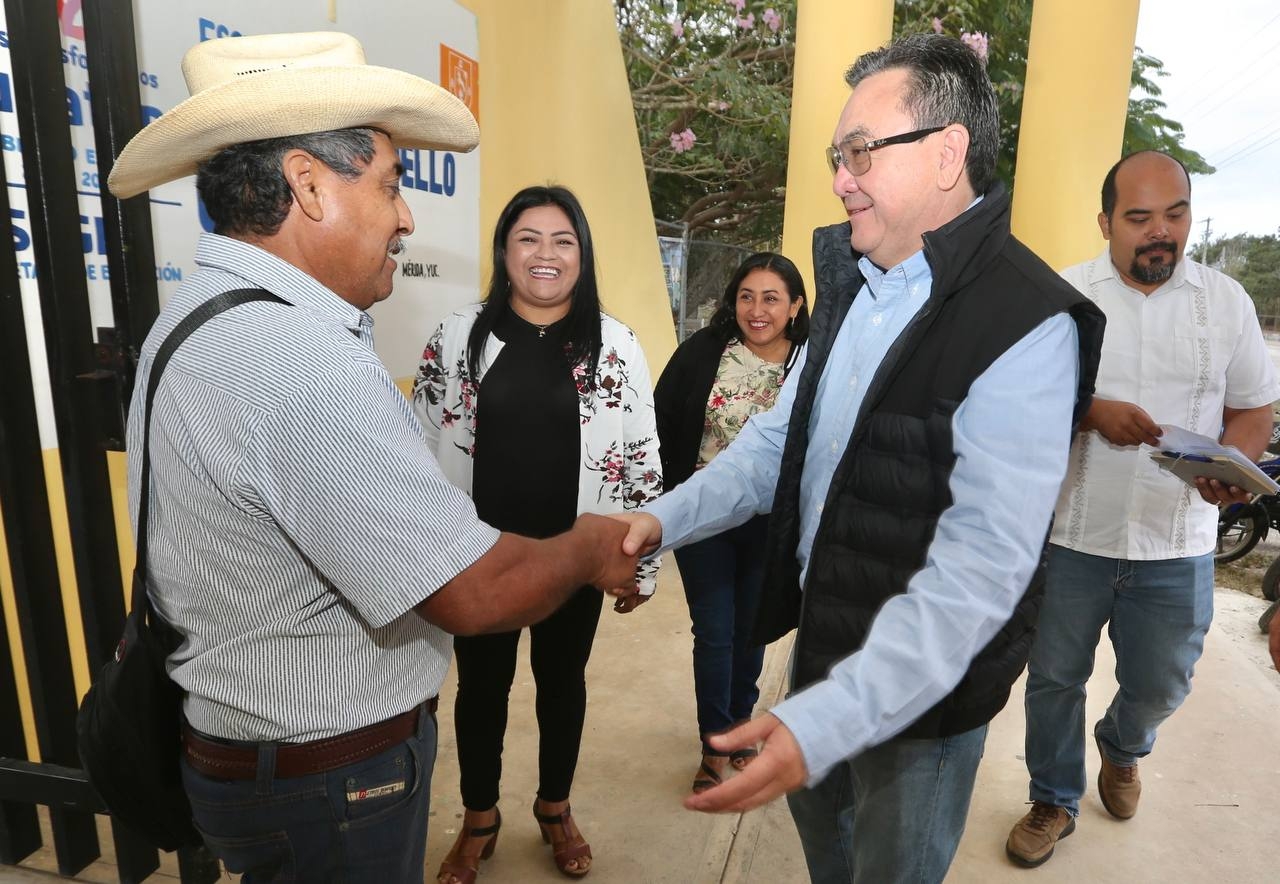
(1185, 271)
(261, 268)
(905, 275)
(899, 278)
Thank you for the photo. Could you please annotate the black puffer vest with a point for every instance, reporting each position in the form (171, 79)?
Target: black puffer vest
(892, 482)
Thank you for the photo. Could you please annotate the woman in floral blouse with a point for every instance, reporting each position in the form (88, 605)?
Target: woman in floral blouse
(717, 379)
(539, 405)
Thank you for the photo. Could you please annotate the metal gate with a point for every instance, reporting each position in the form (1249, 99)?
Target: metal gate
(91, 373)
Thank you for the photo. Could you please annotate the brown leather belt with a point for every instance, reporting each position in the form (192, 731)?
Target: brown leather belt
(231, 761)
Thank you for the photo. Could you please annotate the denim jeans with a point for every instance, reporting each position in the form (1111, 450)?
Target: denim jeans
(722, 577)
(1158, 613)
(322, 827)
(895, 813)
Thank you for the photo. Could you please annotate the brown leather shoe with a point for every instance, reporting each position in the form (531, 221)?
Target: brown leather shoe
(1118, 786)
(1034, 837)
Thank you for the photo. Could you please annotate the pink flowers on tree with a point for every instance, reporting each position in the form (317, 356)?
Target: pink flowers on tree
(772, 19)
(682, 141)
(976, 41)
(677, 26)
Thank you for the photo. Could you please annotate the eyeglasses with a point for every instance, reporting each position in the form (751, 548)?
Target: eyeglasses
(855, 153)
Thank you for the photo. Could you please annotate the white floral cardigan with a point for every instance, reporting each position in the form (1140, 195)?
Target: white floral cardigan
(620, 468)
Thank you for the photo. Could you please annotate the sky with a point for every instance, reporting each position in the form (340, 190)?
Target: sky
(1223, 61)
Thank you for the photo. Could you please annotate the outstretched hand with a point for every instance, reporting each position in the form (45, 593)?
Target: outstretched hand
(615, 569)
(779, 769)
(644, 533)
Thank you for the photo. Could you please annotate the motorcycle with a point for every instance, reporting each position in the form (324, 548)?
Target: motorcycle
(1241, 526)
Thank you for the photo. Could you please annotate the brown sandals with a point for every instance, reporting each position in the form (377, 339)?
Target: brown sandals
(742, 757)
(567, 849)
(465, 872)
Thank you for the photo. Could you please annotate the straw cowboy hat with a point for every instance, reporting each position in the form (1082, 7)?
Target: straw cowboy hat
(273, 85)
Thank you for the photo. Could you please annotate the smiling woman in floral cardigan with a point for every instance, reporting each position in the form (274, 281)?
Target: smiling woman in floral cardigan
(539, 405)
(714, 382)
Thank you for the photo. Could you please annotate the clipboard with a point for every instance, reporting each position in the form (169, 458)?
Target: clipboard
(1189, 467)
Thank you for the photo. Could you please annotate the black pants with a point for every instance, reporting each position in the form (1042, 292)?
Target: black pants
(558, 653)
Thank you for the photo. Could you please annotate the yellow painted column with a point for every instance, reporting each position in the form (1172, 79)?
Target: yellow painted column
(555, 107)
(830, 35)
(1073, 114)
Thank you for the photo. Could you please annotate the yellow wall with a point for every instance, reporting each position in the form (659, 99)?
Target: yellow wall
(830, 35)
(67, 568)
(1073, 115)
(117, 467)
(555, 107)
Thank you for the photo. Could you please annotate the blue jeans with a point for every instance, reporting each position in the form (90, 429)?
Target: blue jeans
(1158, 613)
(895, 813)
(722, 577)
(318, 827)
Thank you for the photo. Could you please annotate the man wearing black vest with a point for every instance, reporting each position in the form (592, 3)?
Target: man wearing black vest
(911, 465)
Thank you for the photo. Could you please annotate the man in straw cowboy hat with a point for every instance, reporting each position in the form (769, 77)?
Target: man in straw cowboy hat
(302, 540)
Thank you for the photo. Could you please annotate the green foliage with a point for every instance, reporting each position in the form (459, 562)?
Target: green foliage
(1147, 128)
(730, 86)
(1254, 262)
(1007, 26)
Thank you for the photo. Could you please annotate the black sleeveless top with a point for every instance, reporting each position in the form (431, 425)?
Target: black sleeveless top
(528, 450)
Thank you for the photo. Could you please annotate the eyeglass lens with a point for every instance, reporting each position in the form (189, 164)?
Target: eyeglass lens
(853, 155)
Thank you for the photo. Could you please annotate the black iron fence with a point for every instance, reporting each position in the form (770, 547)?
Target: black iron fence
(90, 377)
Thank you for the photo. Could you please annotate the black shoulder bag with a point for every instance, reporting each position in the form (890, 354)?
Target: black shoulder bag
(129, 722)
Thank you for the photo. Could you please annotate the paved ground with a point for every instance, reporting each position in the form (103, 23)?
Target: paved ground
(1208, 811)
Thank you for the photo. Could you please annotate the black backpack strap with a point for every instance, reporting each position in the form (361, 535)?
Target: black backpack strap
(180, 333)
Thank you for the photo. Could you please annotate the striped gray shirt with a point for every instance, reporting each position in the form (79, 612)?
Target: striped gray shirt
(296, 514)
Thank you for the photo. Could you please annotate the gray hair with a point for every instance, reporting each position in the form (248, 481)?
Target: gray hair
(947, 83)
(243, 186)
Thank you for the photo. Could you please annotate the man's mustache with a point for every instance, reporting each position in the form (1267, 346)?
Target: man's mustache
(1164, 246)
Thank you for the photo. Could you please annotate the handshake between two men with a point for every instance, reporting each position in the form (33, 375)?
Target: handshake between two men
(521, 580)
(780, 767)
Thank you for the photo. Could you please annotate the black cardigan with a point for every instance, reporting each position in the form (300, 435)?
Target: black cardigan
(680, 401)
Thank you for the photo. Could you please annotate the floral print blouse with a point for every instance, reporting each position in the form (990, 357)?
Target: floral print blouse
(744, 385)
(620, 467)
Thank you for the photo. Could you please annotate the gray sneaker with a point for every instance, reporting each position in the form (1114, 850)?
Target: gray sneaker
(1033, 839)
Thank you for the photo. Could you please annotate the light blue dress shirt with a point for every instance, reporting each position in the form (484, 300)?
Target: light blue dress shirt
(1011, 434)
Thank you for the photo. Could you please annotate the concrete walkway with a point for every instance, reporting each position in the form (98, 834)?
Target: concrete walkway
(1209, 807)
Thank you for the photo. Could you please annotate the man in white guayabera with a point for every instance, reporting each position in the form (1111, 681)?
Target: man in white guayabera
(1132, 545)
